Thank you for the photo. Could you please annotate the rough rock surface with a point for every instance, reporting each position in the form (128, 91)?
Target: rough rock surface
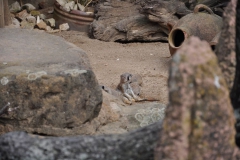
(225, 49)
(198, 125)
(116, 117)
(136, 145)
(121, 21)
(106, 117)
(48, 82)
(199, 121)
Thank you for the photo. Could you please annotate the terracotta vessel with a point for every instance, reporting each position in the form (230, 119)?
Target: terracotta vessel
(77, 20)
(206, 26)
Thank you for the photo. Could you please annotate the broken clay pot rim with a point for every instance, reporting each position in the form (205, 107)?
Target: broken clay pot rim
(182, 32)
(172, 34)
(75, 12)
(75, 16)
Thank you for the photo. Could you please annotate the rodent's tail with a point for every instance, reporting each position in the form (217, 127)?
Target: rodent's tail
(150, 99)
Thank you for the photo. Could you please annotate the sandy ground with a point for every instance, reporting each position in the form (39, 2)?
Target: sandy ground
(110, 59)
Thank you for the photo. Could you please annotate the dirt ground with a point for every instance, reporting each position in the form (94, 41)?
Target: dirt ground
(110, 59)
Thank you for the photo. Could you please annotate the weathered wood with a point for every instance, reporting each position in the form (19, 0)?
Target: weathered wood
(137, 145)
(7, 18)
(121, 21)
(160, 15)
(1, 14)
(164, 12)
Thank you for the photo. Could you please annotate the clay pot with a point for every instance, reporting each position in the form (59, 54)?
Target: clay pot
(77, 20)
(206, 26)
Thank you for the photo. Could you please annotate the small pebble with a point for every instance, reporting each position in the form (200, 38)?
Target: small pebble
(4, 81)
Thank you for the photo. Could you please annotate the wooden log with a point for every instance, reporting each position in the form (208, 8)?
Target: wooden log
(7, 18)
(1, 14)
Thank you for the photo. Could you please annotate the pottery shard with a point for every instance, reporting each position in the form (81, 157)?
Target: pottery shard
(50, 22)
(199, 121)
(31, 19)
(62, 2)
(69, 6)
(23, 14)
(81, 7)
(42, 16)
(41, 24)
(15, 23)
(15, 7)
(26, 25)
(29, 7)
(49, 83)
(64, 27)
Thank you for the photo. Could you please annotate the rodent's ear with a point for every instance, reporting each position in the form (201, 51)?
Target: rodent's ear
(129, 77)
(121, 77)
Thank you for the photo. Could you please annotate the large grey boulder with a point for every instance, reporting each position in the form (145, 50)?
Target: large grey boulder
(199, 121)
(48, 82)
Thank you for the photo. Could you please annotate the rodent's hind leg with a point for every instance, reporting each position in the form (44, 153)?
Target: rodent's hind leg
(130, 98)
(126, 100)
(136, 98)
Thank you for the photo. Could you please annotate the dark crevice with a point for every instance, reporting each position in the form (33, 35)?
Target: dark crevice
(49, 94)
(42, 134)
(235, 92)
